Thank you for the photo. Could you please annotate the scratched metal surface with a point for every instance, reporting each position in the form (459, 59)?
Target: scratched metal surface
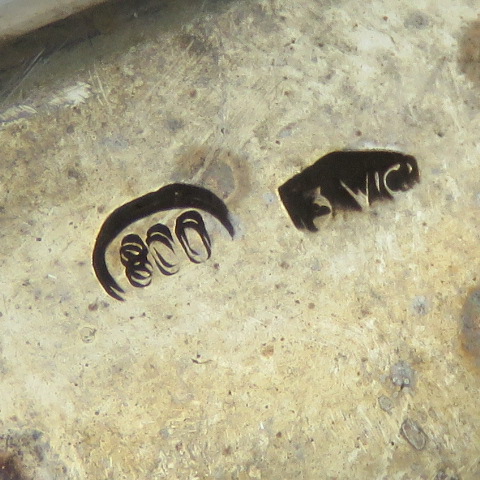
(332, 355)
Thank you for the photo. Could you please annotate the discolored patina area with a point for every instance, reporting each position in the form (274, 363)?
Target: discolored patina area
(470, 326)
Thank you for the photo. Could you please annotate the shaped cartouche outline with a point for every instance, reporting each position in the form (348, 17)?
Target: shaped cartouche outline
(169, 197)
